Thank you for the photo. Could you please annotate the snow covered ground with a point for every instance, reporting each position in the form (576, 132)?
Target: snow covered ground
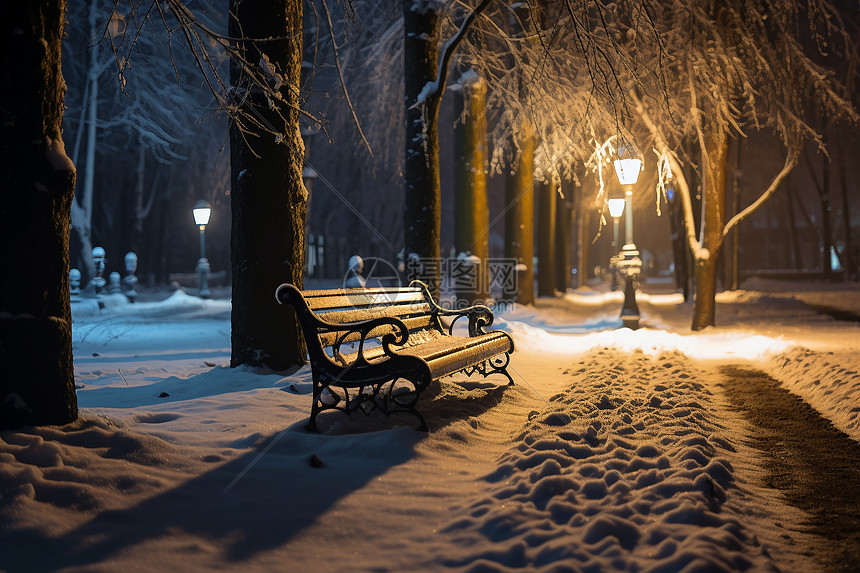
(614, 451)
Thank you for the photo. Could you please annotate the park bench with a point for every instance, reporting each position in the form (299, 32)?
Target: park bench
(379, 348)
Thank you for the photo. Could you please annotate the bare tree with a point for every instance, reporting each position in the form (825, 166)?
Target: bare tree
(268, 199)
(130, 85)
(425, 68)
(268, 196)
(471, 211)
(724, 81)
(578, 74)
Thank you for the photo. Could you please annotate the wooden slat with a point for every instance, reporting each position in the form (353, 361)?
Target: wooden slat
(448, 356)
(371, 290)
(361, 298)
(416, 337)
(445, 354)
(412, 324)
(369, 313)
(448, 346)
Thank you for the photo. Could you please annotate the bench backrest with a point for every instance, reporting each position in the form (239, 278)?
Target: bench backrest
(339, 306)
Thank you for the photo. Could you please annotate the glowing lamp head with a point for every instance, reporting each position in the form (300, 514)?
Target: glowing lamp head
(616, 207)
(202, 210)
(628, 169)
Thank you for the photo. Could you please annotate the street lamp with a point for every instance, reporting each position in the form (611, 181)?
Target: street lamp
(202, 210)
(616, 208)
(627, 167)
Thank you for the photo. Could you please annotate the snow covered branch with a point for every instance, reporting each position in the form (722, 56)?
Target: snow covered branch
(670, 160)
(433, 90)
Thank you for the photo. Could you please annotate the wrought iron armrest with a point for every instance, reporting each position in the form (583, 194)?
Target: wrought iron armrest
(480, 316)
(398, 337)
(289, 294)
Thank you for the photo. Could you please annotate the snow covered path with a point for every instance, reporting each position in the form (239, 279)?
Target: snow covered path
(615, 451)
(803, 455)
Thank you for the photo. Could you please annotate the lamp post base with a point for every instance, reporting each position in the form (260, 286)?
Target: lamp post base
(203, 276)
(630, 310)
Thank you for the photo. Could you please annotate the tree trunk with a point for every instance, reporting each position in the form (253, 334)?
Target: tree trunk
(826, 227)
(268, 198)
(37, 385)
(736, 203)
(713, 199)
(680, 248)
(823, 188)
(562, 242)
(519, 219)
(82, 206)
(547, 192)
(583, 244)
(794, 235)
(140, 213)
(850, 260)
(471, 212)
(423, 191)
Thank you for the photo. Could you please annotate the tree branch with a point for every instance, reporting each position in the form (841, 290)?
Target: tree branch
(448, 51)
(342, 81)
(699, 252)
(791, 160)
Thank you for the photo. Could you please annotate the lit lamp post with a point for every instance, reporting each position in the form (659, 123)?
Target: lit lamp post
(616, 208)
(202, 210)
(627, 168)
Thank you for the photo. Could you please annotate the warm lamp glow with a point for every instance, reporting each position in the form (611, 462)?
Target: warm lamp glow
(616, 207)
(628, 170)
(202, 210)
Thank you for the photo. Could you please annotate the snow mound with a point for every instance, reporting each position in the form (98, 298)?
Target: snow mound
(178, 305)
(60, 476)
(828, 381)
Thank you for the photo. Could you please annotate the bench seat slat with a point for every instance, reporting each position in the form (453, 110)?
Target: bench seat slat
(450, 354)
(445, 354)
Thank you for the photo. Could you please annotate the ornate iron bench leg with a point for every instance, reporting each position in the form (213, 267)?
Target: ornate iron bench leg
(317, 405)
(315, 408)
(407, 401)
(499, 364)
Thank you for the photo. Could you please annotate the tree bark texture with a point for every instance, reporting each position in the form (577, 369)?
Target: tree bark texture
(471, 211)
(713, 221)
(268, 197)
(37, 383)
(519, 220)
(422, 186)
(547, 192)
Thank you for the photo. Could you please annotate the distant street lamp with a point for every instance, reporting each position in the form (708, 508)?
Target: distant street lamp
(627, 167)
(202, 210)
(616, 208)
